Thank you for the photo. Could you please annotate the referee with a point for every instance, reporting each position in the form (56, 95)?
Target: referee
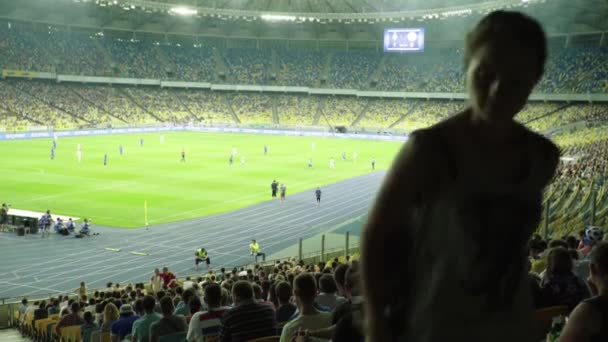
(318, 195)
(200, 256)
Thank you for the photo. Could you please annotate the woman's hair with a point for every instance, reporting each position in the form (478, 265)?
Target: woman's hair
(599, 257)
(500, 26)
(110, 313)
(559, 261)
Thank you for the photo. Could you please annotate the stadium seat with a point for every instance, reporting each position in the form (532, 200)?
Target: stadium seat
(95, 336)
(28, 323)
(50, 328)
(544, 317)
(40, 328)
(70, 334)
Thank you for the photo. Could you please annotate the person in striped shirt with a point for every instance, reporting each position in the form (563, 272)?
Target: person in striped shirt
(208, 323)
(247, 320)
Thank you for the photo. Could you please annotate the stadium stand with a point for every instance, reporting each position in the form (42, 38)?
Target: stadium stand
(576, 69)
(140, 302)
(297, 109)
(577, 196)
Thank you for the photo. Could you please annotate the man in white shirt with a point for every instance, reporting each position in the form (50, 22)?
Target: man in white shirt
(327, 298)
(305, 290)
(187, 283)
(156, 281)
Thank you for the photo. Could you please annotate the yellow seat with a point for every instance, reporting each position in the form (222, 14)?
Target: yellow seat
(28, 322)
(70, 334)
(40, 325)
(54, 317)
(47, 329)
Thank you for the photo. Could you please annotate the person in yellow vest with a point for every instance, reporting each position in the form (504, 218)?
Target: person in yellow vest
(200, 256)
(254, 248)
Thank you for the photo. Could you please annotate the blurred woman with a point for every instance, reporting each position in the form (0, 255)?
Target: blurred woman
(445, 246)
(110, 315)
(589, 320)
(560, 286)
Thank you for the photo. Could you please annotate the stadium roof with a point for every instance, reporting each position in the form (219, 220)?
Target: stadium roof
(331, 20)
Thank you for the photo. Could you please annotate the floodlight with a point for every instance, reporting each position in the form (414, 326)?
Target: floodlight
(183, 11)
(278, 17)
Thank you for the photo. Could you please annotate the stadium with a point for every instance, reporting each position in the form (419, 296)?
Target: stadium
(138, 135)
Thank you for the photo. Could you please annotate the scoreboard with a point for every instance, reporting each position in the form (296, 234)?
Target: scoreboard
(403, 39)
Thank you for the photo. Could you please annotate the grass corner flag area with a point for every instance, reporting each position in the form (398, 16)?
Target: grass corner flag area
(125, 180)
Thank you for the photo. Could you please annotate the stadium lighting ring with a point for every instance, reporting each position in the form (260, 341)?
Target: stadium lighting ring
(395, 16)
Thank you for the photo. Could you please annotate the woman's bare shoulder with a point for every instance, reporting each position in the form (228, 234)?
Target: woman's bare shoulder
(544, 147)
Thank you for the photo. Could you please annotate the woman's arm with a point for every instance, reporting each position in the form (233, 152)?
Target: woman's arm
(387, 236)
(580, 326)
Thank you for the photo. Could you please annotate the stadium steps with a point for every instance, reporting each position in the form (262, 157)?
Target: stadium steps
(228, 104)
(377, 74)
(52, 105)
(167, 67)
(183, 104)
(104, 53)
(321, 114)
(275, 111)
(315, 120)
(11, 112)
(220, 64)
(581, 76)
(549, 113)
(404, 116)
(362, 113)
(326, 68)
(128, 96)
(561, 197)
(562, 210)
(71, 89)
(274, 67)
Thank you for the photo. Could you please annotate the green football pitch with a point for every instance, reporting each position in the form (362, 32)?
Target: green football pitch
(205, 184)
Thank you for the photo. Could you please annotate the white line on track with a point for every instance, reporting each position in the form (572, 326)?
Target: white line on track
(221, 225)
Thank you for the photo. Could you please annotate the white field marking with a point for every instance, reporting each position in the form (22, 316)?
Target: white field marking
(33, 287)
(71, 193)
(279, 227)
(267, 218)
(33, 260)
(238, 199)
(54, 260)
(73, 269)
(84, 276)
(258, 212)
(188, 260)
(153, 262)
(292, 229)
(240, 257)
(268, 245)
(220, 231)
